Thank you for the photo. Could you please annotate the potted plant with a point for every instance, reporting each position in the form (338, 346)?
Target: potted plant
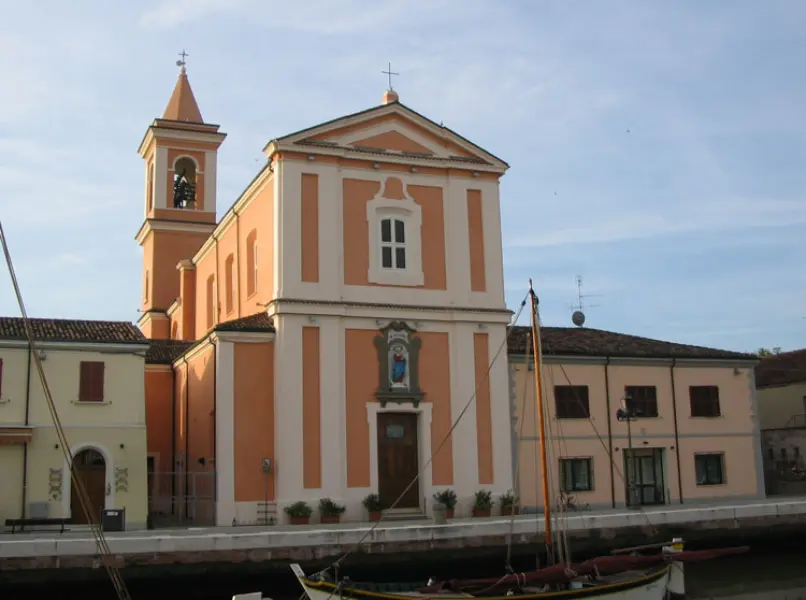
(483, 503)
(299, 513)
(448, 499)
(330, 511)
(508, 504)
(372, 503)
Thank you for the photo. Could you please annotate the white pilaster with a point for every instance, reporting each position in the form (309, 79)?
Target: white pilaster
(210, 180)
(288, 411)
(463, 386)
(333, 412)
(501, 415)
(278, 233)
(225, 432)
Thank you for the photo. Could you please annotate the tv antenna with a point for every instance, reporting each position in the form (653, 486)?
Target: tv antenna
(578, 316)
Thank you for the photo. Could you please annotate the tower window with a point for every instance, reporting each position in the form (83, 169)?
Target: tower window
(393, 244)
(185, 183)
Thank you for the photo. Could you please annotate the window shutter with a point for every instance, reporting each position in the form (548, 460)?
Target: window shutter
(91, 385)
(99, 381)
(84, 382)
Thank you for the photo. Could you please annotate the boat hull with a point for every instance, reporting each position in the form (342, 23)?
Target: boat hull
(652, 585)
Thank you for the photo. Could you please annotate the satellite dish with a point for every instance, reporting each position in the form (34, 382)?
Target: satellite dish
(578, 318)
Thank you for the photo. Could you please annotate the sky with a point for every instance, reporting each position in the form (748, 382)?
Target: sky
(657, 149)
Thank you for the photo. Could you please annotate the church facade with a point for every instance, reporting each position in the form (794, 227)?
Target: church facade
(321, 338)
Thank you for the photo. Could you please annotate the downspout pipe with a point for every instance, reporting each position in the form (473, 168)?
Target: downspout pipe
(25, 445)
(609, 432)
(676, 433)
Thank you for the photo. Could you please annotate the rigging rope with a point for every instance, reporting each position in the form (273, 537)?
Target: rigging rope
(100, 540)
(445, 439)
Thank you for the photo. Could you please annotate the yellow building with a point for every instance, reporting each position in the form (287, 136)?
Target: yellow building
(95, 373)
(694, 432)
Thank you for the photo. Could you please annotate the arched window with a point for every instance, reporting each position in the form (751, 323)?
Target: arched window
(210, 298)
(251, 263)
(229, 272)
(185, 183)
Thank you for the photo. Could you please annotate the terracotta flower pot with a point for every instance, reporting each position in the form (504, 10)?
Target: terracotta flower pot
(331, 519)
(508, 511)
(481, 512)
(375, 515)
(449, 513)
(299, 520)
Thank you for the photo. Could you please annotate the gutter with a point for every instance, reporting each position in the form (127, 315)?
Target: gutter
(609, 433)
(215, 421)
(25, 445)
(676, 435)
(173, 431)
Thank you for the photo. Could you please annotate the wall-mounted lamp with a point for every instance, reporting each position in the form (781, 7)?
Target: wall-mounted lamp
(413, 169)
(482, 326)
(376, 166)
(312, 319)
(474, 174)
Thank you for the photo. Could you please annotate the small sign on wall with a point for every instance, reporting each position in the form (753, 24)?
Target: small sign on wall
(267, 465)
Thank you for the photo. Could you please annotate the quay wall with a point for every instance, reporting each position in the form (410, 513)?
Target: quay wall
(272, 548)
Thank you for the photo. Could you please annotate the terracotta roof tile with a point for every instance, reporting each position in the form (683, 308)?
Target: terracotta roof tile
(781, 369)
(582, 341)
(164, 352)
(253, 323)
(71, 330)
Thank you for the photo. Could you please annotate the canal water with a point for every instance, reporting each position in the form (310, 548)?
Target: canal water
(760, 575)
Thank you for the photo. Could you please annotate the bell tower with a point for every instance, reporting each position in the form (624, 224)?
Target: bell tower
(180, 152)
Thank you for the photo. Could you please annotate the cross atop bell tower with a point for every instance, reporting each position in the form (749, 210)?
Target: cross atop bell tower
(180, 152)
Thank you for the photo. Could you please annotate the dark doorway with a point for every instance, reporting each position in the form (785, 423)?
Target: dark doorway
(89, 467)
(398, 462)
(644, 476)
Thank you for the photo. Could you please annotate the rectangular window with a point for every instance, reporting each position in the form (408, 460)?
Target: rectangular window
(576, 475)
(571, 401)
(210, 301)
(393, 244)
(642, 399)
(709, 468)
(91, 382)
(704, 400)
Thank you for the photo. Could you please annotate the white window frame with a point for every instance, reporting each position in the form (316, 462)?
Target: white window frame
(408, 211)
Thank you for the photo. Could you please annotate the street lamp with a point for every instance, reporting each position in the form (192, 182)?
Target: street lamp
(628, 413)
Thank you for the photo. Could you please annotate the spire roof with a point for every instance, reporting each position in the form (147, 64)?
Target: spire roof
(182, 105)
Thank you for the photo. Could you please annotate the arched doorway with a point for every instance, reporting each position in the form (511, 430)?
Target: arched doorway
(90, 467)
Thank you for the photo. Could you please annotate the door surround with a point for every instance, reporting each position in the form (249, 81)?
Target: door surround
(67, 479)
(423, 412)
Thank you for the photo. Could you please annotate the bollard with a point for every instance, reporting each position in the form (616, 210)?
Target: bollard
(439, 511)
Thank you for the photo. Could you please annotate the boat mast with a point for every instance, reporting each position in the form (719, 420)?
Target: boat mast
(541, 422)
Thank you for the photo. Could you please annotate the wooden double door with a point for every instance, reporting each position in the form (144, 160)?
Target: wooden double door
(398, 460)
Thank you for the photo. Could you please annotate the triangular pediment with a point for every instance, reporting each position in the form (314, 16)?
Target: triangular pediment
(394, 128)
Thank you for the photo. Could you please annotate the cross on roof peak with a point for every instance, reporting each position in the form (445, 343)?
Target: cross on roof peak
(389, 73)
